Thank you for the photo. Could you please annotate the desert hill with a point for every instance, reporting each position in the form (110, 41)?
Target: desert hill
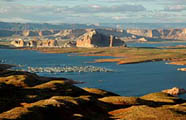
(26, 96)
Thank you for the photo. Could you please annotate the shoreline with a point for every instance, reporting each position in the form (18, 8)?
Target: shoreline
(123, 55)
(26, 95)
(130, 55)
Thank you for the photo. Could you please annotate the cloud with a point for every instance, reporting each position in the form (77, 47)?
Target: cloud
(89, 11)
(10, 1)
(106, 9)
(177, 2)
(119, 18)
(171, 2)
(75, 9)
(15, 19)
(175, 8)
(52, 12)
(163, 17)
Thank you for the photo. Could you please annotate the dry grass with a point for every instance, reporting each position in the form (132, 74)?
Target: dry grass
(49, 85)
(17, 80)
(99, 92)
(160, 97)
(119, 100)
(144, 112)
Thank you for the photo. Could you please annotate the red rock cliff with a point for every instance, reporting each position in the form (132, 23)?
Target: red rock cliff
(95, 39)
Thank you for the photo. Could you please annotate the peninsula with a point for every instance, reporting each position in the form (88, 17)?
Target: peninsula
(26, 95)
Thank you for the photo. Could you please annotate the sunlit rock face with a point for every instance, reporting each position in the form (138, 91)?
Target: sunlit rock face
(175, 91)
(34, 43)
(95, 39)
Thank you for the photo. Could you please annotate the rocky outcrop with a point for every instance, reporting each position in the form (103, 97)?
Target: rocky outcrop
(18, 43)
(30, 33)
(27, 33)
(181, 69)
(65, 34)
(71, 33)
(114, 32)
(142, 40)
(69, 44)
(5, 66)
(34, 43)
(176, 34)
(95, 39)
(140, 32)
(47, 43)
(175, 91)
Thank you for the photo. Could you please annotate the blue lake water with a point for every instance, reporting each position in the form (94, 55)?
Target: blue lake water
(127, 80)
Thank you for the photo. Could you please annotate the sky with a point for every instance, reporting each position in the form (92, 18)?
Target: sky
(93, 11)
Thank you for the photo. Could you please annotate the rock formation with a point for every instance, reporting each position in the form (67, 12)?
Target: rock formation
(176, 34)
(29, 33)
(34, 43)
(47, 43)
(18, 43)
(175, 91)
(142, 40)
(166, 34)
(26, 33)
(69, 44)
(181, 69)
(71, 33)
(96, 39)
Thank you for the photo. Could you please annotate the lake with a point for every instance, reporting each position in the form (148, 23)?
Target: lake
(126, 80)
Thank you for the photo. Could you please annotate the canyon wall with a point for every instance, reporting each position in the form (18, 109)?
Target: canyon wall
(26, 33)
(176, 34)
(167, 34)
(66, 34)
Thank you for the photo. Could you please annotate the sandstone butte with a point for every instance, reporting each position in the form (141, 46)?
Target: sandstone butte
(91, 38)
(96, 39)
(27, 96)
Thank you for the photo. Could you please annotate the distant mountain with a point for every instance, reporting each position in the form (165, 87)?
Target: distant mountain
(144, 25)
(73, 31)
(44, 26)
